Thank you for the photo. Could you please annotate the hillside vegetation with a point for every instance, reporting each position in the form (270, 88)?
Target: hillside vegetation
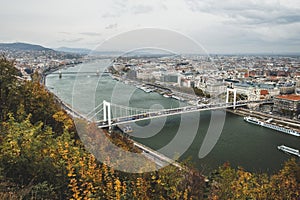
(42, 157)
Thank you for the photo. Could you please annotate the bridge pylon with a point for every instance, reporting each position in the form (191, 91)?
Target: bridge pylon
(107, 113)
(234, 96)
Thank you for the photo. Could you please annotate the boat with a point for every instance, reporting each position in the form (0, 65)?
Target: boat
(176, 97)
(127, 129)
(289, 150)
(268, 124)
(166, 95)
(145, 89)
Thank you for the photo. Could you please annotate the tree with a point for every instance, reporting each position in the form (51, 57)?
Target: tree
(229, 183)
(39, 103)
(25, 154)
(286, 183)
(8, 87)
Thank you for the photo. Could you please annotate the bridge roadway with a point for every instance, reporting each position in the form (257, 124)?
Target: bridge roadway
(173, 111)
(80, 72)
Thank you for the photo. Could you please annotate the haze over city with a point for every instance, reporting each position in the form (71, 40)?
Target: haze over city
(230, 26)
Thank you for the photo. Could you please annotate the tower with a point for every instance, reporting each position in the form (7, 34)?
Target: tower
(234, 96)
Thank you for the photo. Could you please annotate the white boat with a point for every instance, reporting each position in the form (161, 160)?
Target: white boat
(145, 89)
(116, 78)
(289, 150)
(127, 129)
(167, 96)
(267, 124)
(176, 97)
(269, 120)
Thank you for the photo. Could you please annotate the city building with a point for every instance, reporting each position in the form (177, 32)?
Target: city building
(170, 78)
(287, 105)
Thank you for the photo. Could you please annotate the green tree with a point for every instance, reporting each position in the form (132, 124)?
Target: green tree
(8, 87)
(40, 104)
(25, 153)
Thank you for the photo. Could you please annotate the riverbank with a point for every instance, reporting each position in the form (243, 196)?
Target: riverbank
(159, 159)
(293, 124)
(163, 90)
(54, 69)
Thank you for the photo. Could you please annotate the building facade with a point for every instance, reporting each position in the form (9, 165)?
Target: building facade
(287, 105)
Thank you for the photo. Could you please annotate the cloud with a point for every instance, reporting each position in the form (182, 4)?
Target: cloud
(249, 12)
(251, 25)
(91, 34)
(219, 25)
(116, 8)
(111, 26)
(287, 19)
(121, 8)
(65, 33)
(142, 9)
(71, 40)
(110, 15)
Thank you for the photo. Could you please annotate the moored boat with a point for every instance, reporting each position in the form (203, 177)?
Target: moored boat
(127, 129)
(176, 97)
(166, 95)
(270, 125)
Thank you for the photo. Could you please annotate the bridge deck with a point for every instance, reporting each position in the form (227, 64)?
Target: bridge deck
(80, 72)
(171, 112)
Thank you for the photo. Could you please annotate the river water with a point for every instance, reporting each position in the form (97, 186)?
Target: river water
(240, 143)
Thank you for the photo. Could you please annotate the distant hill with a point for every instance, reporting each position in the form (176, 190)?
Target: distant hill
(73, 50)
(23, 47)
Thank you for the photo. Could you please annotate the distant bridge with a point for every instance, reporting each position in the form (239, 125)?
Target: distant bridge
(96, 73)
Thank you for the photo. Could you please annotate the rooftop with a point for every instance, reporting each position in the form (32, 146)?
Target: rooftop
(291, 97)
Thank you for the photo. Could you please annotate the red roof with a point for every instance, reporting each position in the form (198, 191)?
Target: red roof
(292, 97)
(264, 92)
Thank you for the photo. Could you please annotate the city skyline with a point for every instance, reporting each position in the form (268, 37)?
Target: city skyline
(269, 26)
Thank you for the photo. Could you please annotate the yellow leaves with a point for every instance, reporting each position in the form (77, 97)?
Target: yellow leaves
(52, 155)
(62, 117)
(134, 194)
(75, 189)
(70, 174)
(117, 184)
(86, 178)
(185, 194)
(138, 182)
(117, 189)
(88, 191)
(124, 189)
(285, 184)
(246, 185)
(109, 185)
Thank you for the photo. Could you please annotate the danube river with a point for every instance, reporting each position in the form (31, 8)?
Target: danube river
(240, 143)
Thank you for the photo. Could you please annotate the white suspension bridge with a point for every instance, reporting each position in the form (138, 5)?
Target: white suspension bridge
(114, 114)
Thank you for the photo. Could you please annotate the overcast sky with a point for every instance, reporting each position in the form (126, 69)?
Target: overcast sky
(220, 26)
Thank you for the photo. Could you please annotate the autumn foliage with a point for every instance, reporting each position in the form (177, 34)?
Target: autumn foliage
(42, 157)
